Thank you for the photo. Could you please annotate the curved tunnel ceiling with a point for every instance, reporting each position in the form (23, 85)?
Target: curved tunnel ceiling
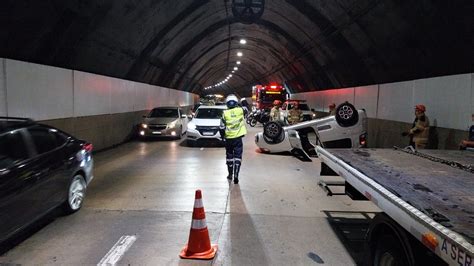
(189, 45)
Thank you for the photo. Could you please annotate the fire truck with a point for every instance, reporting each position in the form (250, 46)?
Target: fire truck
(263, 96)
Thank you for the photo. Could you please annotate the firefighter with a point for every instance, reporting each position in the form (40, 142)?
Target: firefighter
(233, 130)
(295, 115)
(332, 109)
(420, 129)
(275, 111)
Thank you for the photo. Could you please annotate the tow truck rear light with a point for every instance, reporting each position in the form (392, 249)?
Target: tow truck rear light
(363, 140)
(430, 240)
(88, 147)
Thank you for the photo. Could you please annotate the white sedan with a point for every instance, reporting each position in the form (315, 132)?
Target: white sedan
(346, 129)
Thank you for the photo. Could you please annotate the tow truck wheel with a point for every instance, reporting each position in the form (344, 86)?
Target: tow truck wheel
(273, 130)
(346, 115)
(389, 252)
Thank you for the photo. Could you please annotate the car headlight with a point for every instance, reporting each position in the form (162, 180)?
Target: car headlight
(172, 124)
(144, 125)
(191, 125)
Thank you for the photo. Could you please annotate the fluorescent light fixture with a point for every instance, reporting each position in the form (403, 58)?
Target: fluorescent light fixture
(236, 68)
(230, 75)
(240, 54)
(243, 41)
(233, 71)
(238, 62)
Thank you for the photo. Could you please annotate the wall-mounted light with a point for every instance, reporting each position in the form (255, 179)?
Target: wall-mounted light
(240, 54)
(236, 68)
(243, 41)
(238, 62)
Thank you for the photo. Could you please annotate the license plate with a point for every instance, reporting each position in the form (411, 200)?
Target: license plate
(208, 133)
(156, 132)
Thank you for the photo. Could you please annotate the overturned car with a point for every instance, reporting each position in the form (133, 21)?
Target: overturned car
(346, 129)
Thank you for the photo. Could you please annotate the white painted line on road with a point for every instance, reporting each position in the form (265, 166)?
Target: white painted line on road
(117, 251)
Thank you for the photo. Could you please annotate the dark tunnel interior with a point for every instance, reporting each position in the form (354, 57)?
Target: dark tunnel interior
(192, 45)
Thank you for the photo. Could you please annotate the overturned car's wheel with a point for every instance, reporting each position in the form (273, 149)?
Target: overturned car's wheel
(273, 131)
(346, 115)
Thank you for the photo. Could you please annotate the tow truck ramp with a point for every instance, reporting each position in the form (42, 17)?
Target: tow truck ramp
(431, 199)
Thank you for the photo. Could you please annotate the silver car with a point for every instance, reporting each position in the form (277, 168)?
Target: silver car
(164, 122)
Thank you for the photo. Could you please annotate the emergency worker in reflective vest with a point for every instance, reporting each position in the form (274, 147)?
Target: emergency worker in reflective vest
(233, 130)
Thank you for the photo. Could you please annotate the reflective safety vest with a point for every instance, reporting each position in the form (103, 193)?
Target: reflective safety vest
(234, 123)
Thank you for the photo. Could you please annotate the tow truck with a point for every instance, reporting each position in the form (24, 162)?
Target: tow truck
(426, 198)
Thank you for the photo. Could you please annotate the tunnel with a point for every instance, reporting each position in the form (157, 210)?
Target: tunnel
(95, 69)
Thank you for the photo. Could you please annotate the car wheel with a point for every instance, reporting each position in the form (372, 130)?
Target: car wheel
(253, 122)
(180, 132)
(75, 195)
(346, 115)
(273, 130)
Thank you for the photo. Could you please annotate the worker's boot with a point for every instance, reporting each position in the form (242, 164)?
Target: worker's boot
(236, 173)
(230, 169)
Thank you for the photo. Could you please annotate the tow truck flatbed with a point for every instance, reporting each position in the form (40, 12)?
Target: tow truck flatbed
(428, 189)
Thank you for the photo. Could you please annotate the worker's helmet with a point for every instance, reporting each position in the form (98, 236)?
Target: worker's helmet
(420, 107)
(276, 102)
(231, 101)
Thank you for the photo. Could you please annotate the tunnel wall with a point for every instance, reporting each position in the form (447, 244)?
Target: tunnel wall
(83, 104)
(390, 107)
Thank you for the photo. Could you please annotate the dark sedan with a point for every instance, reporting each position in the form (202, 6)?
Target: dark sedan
(41, 168)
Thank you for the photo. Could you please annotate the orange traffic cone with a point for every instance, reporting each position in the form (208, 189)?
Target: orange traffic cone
(199, 245)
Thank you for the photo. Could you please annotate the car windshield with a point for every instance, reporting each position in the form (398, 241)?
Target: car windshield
(163, 113)
(209, 113)
(303, 107)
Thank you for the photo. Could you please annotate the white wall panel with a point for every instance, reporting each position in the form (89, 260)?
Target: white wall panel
(338, 96)
(319, 101)
(141, 93)
(396, 102)
(164, 96)
(122, 96)
(38, 91)
(366, 97)
(446, 99)
(91, 94)
(3, 89)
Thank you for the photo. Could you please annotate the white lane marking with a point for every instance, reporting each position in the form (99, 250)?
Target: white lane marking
(117, 251)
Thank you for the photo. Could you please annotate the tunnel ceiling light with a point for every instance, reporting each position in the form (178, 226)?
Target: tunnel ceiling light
(238, 62)
(243, 41)
(233, 71)
(236, 68)
(230, 75)
(240, 54)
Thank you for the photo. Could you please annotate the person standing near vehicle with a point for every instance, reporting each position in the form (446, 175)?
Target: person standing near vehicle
(332, 109)
(295, 115)
(233, 129)
(275, 111)
(245, 106)
(420, 129)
